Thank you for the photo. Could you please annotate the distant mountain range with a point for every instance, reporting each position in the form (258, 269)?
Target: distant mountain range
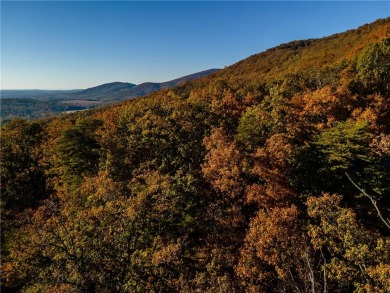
(41, 103)
(33, 94)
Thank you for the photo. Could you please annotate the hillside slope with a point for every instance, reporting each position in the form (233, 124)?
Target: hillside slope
(314, 54)
(246, 180)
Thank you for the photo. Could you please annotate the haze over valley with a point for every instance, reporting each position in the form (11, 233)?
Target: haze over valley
(30, 104)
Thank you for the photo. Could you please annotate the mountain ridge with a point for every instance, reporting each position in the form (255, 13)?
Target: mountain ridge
(313, 54)
(41, 103)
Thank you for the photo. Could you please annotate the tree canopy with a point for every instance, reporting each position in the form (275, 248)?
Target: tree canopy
(236, 182)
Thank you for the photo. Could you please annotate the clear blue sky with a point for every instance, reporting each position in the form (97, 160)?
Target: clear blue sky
(68, 45)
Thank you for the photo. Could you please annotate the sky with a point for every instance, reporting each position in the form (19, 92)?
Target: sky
(80, 44)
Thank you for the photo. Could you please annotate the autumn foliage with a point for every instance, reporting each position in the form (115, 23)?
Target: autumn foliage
(242, 181)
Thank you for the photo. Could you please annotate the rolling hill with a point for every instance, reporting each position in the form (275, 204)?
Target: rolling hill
(30, 104)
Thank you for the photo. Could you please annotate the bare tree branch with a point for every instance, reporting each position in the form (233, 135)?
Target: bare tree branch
(373, 201)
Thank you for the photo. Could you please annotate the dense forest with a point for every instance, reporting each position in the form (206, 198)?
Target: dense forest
(271, 175)
(34, 108)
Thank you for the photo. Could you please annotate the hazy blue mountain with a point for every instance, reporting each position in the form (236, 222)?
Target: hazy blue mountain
(108, 88)
(118, 91)
(148, 87)
(34, 94)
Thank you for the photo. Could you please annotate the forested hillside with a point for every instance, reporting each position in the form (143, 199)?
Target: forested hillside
(272, 175)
